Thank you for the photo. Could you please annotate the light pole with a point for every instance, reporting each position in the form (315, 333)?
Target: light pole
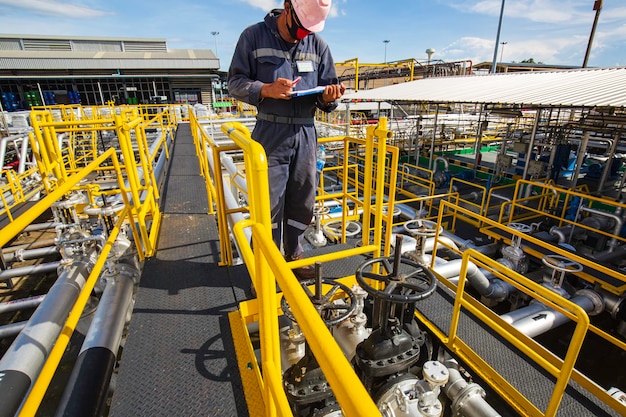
(495, 51)
(502, 50)
(386, 41)
(215, 37)
(597, 6)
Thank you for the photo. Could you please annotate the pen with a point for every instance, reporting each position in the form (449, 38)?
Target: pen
(296, 81)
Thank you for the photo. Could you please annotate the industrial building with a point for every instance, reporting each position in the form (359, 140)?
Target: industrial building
(47, 70)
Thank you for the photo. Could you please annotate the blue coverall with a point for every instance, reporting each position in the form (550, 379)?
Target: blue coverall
(285, 128)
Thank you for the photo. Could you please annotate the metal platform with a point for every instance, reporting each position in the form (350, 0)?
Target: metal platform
(178, 359)
(534, 383)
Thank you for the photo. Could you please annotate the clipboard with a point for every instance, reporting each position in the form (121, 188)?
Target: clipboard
(315, 90)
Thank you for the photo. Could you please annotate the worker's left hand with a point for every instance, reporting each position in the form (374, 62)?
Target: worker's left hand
(333, 92)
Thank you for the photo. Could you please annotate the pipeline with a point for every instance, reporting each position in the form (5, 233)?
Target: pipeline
(537, 319)
(467, 399)
(22, 362)
(87, 389)
(494, 289)
(29, 270)
(616, 229)
(21, 255)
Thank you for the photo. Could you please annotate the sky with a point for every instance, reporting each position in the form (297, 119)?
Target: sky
(554, 32)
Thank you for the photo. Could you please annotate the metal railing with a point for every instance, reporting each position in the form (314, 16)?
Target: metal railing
(562, 369)
(267, 267)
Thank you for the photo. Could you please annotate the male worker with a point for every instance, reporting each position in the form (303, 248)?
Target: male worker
(272, 60)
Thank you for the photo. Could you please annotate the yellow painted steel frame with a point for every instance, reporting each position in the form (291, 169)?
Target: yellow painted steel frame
(562, 370)
(16, 190)
(35, 396)
(203, 143)
(267, 266)
(56, 163)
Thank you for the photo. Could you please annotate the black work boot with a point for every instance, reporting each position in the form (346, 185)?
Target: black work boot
(303, 273)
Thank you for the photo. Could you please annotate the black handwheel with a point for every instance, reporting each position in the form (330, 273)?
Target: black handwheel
(400, 287)
(330, 312)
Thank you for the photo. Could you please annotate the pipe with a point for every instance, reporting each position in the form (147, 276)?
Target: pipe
(618, 223)
(29, 270)
(23, 304)
(559, 232)
(31, 245)
(42, 226)
(21, 255)
(539, 321)
(87, 389)
(445, 164)
(10, 330)
(467, 399)
(22, 362)
(494, 289)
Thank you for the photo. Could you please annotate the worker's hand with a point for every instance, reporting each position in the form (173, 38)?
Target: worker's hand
(333, 92)
(279, 89)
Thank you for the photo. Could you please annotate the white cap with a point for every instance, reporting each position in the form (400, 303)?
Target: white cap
(312, 13)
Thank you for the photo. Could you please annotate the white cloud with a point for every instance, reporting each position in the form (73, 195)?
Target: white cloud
(543, 11)
(55, 8)
(266, 5)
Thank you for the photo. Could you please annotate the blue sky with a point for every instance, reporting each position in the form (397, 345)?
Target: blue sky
(549, 31)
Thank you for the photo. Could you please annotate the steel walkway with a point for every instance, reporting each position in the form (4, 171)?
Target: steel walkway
(179, 359)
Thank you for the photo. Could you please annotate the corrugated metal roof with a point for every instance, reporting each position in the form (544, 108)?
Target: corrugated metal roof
(173, 59)
(604, 87)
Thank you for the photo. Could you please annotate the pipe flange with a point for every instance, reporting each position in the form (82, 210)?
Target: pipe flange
(465, 396)
(596, 299)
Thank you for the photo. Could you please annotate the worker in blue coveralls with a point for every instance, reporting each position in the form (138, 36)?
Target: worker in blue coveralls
(273, 60)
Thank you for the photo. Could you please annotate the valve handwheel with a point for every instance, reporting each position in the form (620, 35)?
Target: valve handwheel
(419, 227)
(323, 302)
(520, 227)
(333, 228)
(561, 263)
(400, 287)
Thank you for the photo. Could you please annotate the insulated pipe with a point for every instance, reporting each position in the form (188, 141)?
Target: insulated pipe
(495, 289)
(22, 362)
(229, 199)
(235, 176)
(540, 321)
(445, 164)
(521, 313)
(29, 270)
(3, 146)
(87, 388)
(23, 155)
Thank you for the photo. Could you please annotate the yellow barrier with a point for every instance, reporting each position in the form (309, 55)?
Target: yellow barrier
(55, 147)
(267, 266)
(563, 370)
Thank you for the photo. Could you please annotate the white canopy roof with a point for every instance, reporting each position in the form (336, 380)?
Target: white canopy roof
(604, 87)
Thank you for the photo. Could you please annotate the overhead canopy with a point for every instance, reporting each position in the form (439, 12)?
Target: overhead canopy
(605, 87)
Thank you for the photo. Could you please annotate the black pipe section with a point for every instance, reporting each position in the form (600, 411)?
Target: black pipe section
(17, 384)
(90, 384)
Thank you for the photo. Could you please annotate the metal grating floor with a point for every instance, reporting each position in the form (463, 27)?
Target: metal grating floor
(179, 359)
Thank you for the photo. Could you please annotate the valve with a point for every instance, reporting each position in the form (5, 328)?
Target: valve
(560, 265)
(316, 236)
